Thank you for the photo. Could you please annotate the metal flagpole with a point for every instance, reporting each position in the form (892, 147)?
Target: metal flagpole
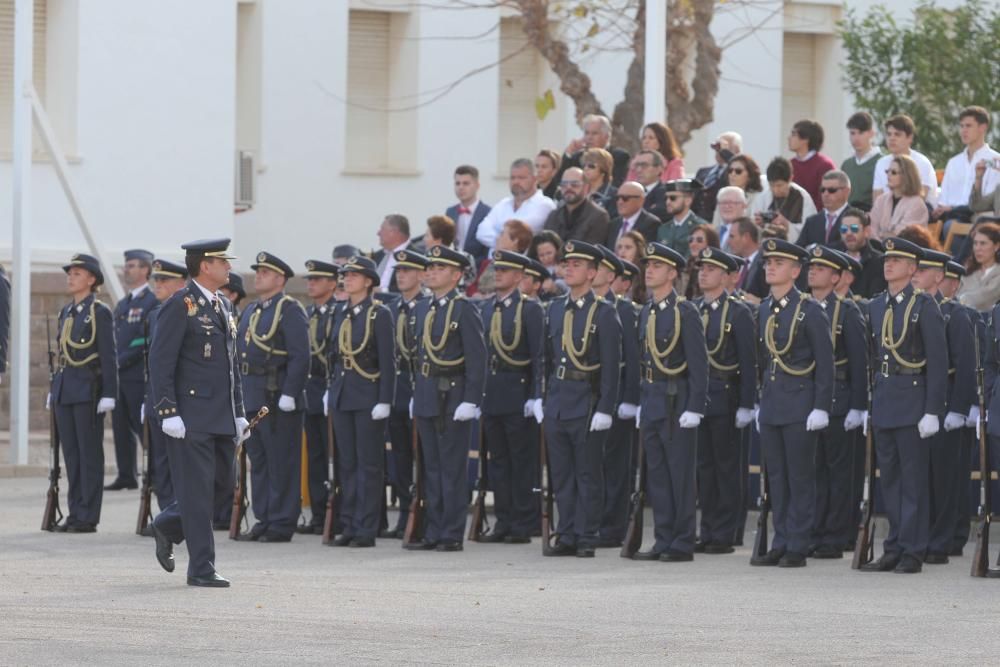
(655, 84)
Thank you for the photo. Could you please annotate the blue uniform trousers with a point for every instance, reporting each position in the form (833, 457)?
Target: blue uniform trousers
(617, 480)
(127, 427)
(576, 462)
(360, 442)
(834, 474)
(275, 453)
(444, 445)
(511, 472)
(401, 440)
(904, 464)
(719, 483)
(789, 453)
(81, 433)
(671, 466)
(317, 467)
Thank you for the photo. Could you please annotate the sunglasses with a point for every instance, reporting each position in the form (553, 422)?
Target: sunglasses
(830, 191)
(737, 171)
(627, 197)
(570, 184)
(854, 229)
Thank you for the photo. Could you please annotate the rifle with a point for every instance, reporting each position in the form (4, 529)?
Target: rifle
(864, 544)
(52, 516)
(331, 484)
(984, 515)
(545, 491)
(415, 519)
(480, 524)
(764, 509)
(633, 536)
(145, 493)
(239, 493)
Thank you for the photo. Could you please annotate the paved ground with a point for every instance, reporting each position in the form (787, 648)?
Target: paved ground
(102, 599)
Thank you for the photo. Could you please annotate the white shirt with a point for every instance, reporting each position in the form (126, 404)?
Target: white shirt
(960, 176)
(534, 211)
(138, 290)
(927, 175)
(463, 222)
(204, 290)
(390, 265)
(872, 152)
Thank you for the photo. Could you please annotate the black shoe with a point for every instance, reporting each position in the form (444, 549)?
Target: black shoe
(609, 543)
(716, 548)
(307, 529)
(81, 528)
(220, 525)
(673, 556)
(448, 546)
(770, 559)
(517, 539)
(62, 527)
(956, 552)
(828, 551)
(492, 538)
(209, 581)
(274, 537)
(585, 552)
(164, 549)
(700, 547)
(993, 573)
(422, 545)
(885, 563)
(560, 549)
(936, 559)
(120, 484)
(792, 559)
(647, 555)
(908, 565)
(394, 534)
(362, 542)
(147, 531)
(342, 541)
(254, 534)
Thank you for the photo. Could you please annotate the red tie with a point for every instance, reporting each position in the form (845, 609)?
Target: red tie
(463, 211)
(743, 276)
(829, 224)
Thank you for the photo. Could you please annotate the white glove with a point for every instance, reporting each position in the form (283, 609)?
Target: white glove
(756, 417)
(241, 430)
(928, 426)
(529, 408)
(380, 411)
(174, 427)
(286, 403)
(743, 417)
(48, 401)
(465, 411)
(638, 415)
(817, 420)
(973, 417)
(853, 420)
(326, 404)
(411, 408)
(600, 422)
(105, 405)
(689, 419)
(953, 421)
(627, 411)
(864, 423)
(142, 413)
(539, 409)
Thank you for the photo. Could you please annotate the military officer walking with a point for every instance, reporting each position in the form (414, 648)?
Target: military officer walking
(583, 351)
(908, 396)
(321, 282)
(198, 399)
(732, 385)
(273, 341)
(83, 390)
(447, 390)
(796, 395)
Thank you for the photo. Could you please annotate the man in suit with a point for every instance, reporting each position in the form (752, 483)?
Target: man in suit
(393, 236)
(726, 147)
(855, 234)
(596, 134)
(824, 227)
(198, 398)
(676, 231)
(578, 218)
(631, 215)
(130, 342)
(468, 212)
(648, 167)
(744, 241)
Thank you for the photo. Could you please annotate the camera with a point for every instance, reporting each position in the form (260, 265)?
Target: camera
(767, 216)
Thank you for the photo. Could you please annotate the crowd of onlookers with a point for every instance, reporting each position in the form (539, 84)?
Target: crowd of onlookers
(601, 194)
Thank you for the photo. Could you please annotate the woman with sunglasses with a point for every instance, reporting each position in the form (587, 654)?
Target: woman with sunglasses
(901, 205)
(597, 167)
(742, 172)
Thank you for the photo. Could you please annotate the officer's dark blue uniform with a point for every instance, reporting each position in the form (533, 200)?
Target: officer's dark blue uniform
(583, 353)
(86, 378)
(910, 367)
(618, 447)
(835, 525)
(796, 355)
(732, 385)
(130, 339)
(451, 370)
(196, 380)
(320, 327)
(673, 389)
(273, 341)
(362, 377)
(514, 376)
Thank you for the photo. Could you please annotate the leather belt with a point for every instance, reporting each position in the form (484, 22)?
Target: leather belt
(574, 375)
(427, 369)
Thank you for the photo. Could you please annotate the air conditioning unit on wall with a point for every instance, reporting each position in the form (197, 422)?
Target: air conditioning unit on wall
(246, 179)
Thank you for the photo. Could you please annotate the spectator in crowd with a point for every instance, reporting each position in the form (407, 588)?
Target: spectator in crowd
(516, 237)
(578, 218)
(631, 215)
(742, 172)
(632, 248)
(441, 231)
(727, 146)
(980, 288)
(547, 164)
(860, 167)
(901, 205)
(546, 248)
(899, 135)
(526, 203)
(732, 207)
(824, 227)
(660, 138)
(920, 236)
(468, 212)
(805, 140)
(854, 232)
(784, 204)
(982, 199)
(393, 236)
(960, 173)
(744, 239)
(597, 165)
(702, 236)
(675, 231)
(596, 134)
(648, 166)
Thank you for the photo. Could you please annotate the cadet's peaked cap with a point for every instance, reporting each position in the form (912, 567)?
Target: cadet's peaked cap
(440, 254)
(854, 265)
(88, 262)
(629, 270)
(235, 284)
(782, 248)
(611, 260)
(897, 247)
(683, 185)
(507, 259)
(537, 270)
(139, 254)
(209, 248)
(581, 250)
(165, 269)
(933, 259)
(954, 270)
(266, 260)
(345, 251)
(657, 252)
(363, 265)
(316, 268)
(717, 257)
(410, 259)
(823, 256)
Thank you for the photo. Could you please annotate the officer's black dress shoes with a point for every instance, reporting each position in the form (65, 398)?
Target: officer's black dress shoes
(885, 563)
(81, 528)
(120, 484)
(936, 559)
(770, 559)
(493, 538)
(422, 545)
(993, 573)
(62, 527)
(362, 542)
(671, 556)
(342, 541)
(700, 547)
(308, 529)
(448, 546)
(956, 552)
(274, 537)
(394, 534)
(164, 549)
(647, 555)
(908, 565)
(828, 551)
(608, 543)
(560, 549)
(716, 548)
(147, 531)
(209, 581)
(585, 552)
(517, 539)
(792, 559)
